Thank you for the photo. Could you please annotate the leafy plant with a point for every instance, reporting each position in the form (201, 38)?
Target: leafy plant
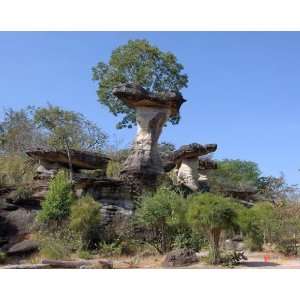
(58, 242)
(110, 249)
(2, 257)
(141, 63)
(232, 259)
(162, 216)
(211, 214)
(85, 220)
(58, 201)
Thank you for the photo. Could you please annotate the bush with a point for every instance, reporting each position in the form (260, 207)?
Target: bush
(15, 170)
(211, 214)
(189, 240)
(2, 257)
(110, 249)
(85, 220)
(58, 243)
(58, 201)
(161, 217)
(232, 259)
(24, 192)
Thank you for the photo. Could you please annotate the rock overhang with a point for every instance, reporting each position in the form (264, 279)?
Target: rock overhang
(134, 96)
(86, 160)
(193, 150)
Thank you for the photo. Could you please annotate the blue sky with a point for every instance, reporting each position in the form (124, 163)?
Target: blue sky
(243, 94)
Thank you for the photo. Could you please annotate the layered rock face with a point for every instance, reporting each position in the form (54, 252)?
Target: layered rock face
(187, 162)
(152, 111)
(17, 214)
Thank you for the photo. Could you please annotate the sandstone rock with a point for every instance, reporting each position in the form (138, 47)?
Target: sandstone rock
(24, 247)
(180, 258)
(186, 158)
(54, 159)
(152, 111)
(207, 164)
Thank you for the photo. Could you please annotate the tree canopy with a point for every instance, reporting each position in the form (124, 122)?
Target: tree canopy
(234, 174)
(141, 63)
(63, 126)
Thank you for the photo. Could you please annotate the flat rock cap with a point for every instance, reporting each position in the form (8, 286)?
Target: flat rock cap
(134, 95)
(193, 150)
(80, 159)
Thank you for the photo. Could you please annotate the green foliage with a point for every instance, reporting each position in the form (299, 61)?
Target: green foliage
(234, 175)
(113, 169)
(2, 257)
(84, 254)
(18, 131)
(210, 214)
(58, 201)
(85, 220)
(162, 216)
(58, 242)
(274, 188)
(232, 259)
(110, 249)
(189, 240)
(137, 62)
(15, 170)
(23, 192)
(250, 227)
(68, 128)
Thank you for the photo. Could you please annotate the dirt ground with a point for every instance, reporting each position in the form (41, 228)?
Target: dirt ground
(256, 260)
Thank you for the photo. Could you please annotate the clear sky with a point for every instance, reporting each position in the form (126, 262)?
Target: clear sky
(243, 94)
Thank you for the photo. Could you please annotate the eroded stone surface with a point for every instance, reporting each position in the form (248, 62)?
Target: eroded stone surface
(152, 111)
(187, 161)
(55, 159)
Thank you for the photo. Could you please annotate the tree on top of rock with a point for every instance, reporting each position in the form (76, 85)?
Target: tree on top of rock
(141, 63)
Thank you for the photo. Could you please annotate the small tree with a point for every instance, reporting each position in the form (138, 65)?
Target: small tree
(211, 214)
(161, 215)
(137, 62)
(18, 131)
(85, 220)
(233, 175)
(68, 129)
(56, 206)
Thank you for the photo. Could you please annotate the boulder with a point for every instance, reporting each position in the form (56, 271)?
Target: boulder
(24, 247)
(180, 258)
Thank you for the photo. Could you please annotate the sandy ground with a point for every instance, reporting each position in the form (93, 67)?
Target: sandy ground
(256, 260)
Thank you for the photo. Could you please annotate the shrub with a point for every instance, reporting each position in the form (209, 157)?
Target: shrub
(110, 249)
(85, 220)
(58, 243)
(23, 192)
(232, 259)
(189, 240)
(15, 170)
(58, 201)
(83, 254)
(250, 227)
(211, 214)
(2, 257)
(161, 216)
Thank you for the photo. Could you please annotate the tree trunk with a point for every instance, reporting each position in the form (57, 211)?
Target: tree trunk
(214, 241)
(69, 160)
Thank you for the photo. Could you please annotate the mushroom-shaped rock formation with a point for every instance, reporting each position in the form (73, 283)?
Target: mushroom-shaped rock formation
(51, 160)
(204, 166)
(152, 111)
(187, 162)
